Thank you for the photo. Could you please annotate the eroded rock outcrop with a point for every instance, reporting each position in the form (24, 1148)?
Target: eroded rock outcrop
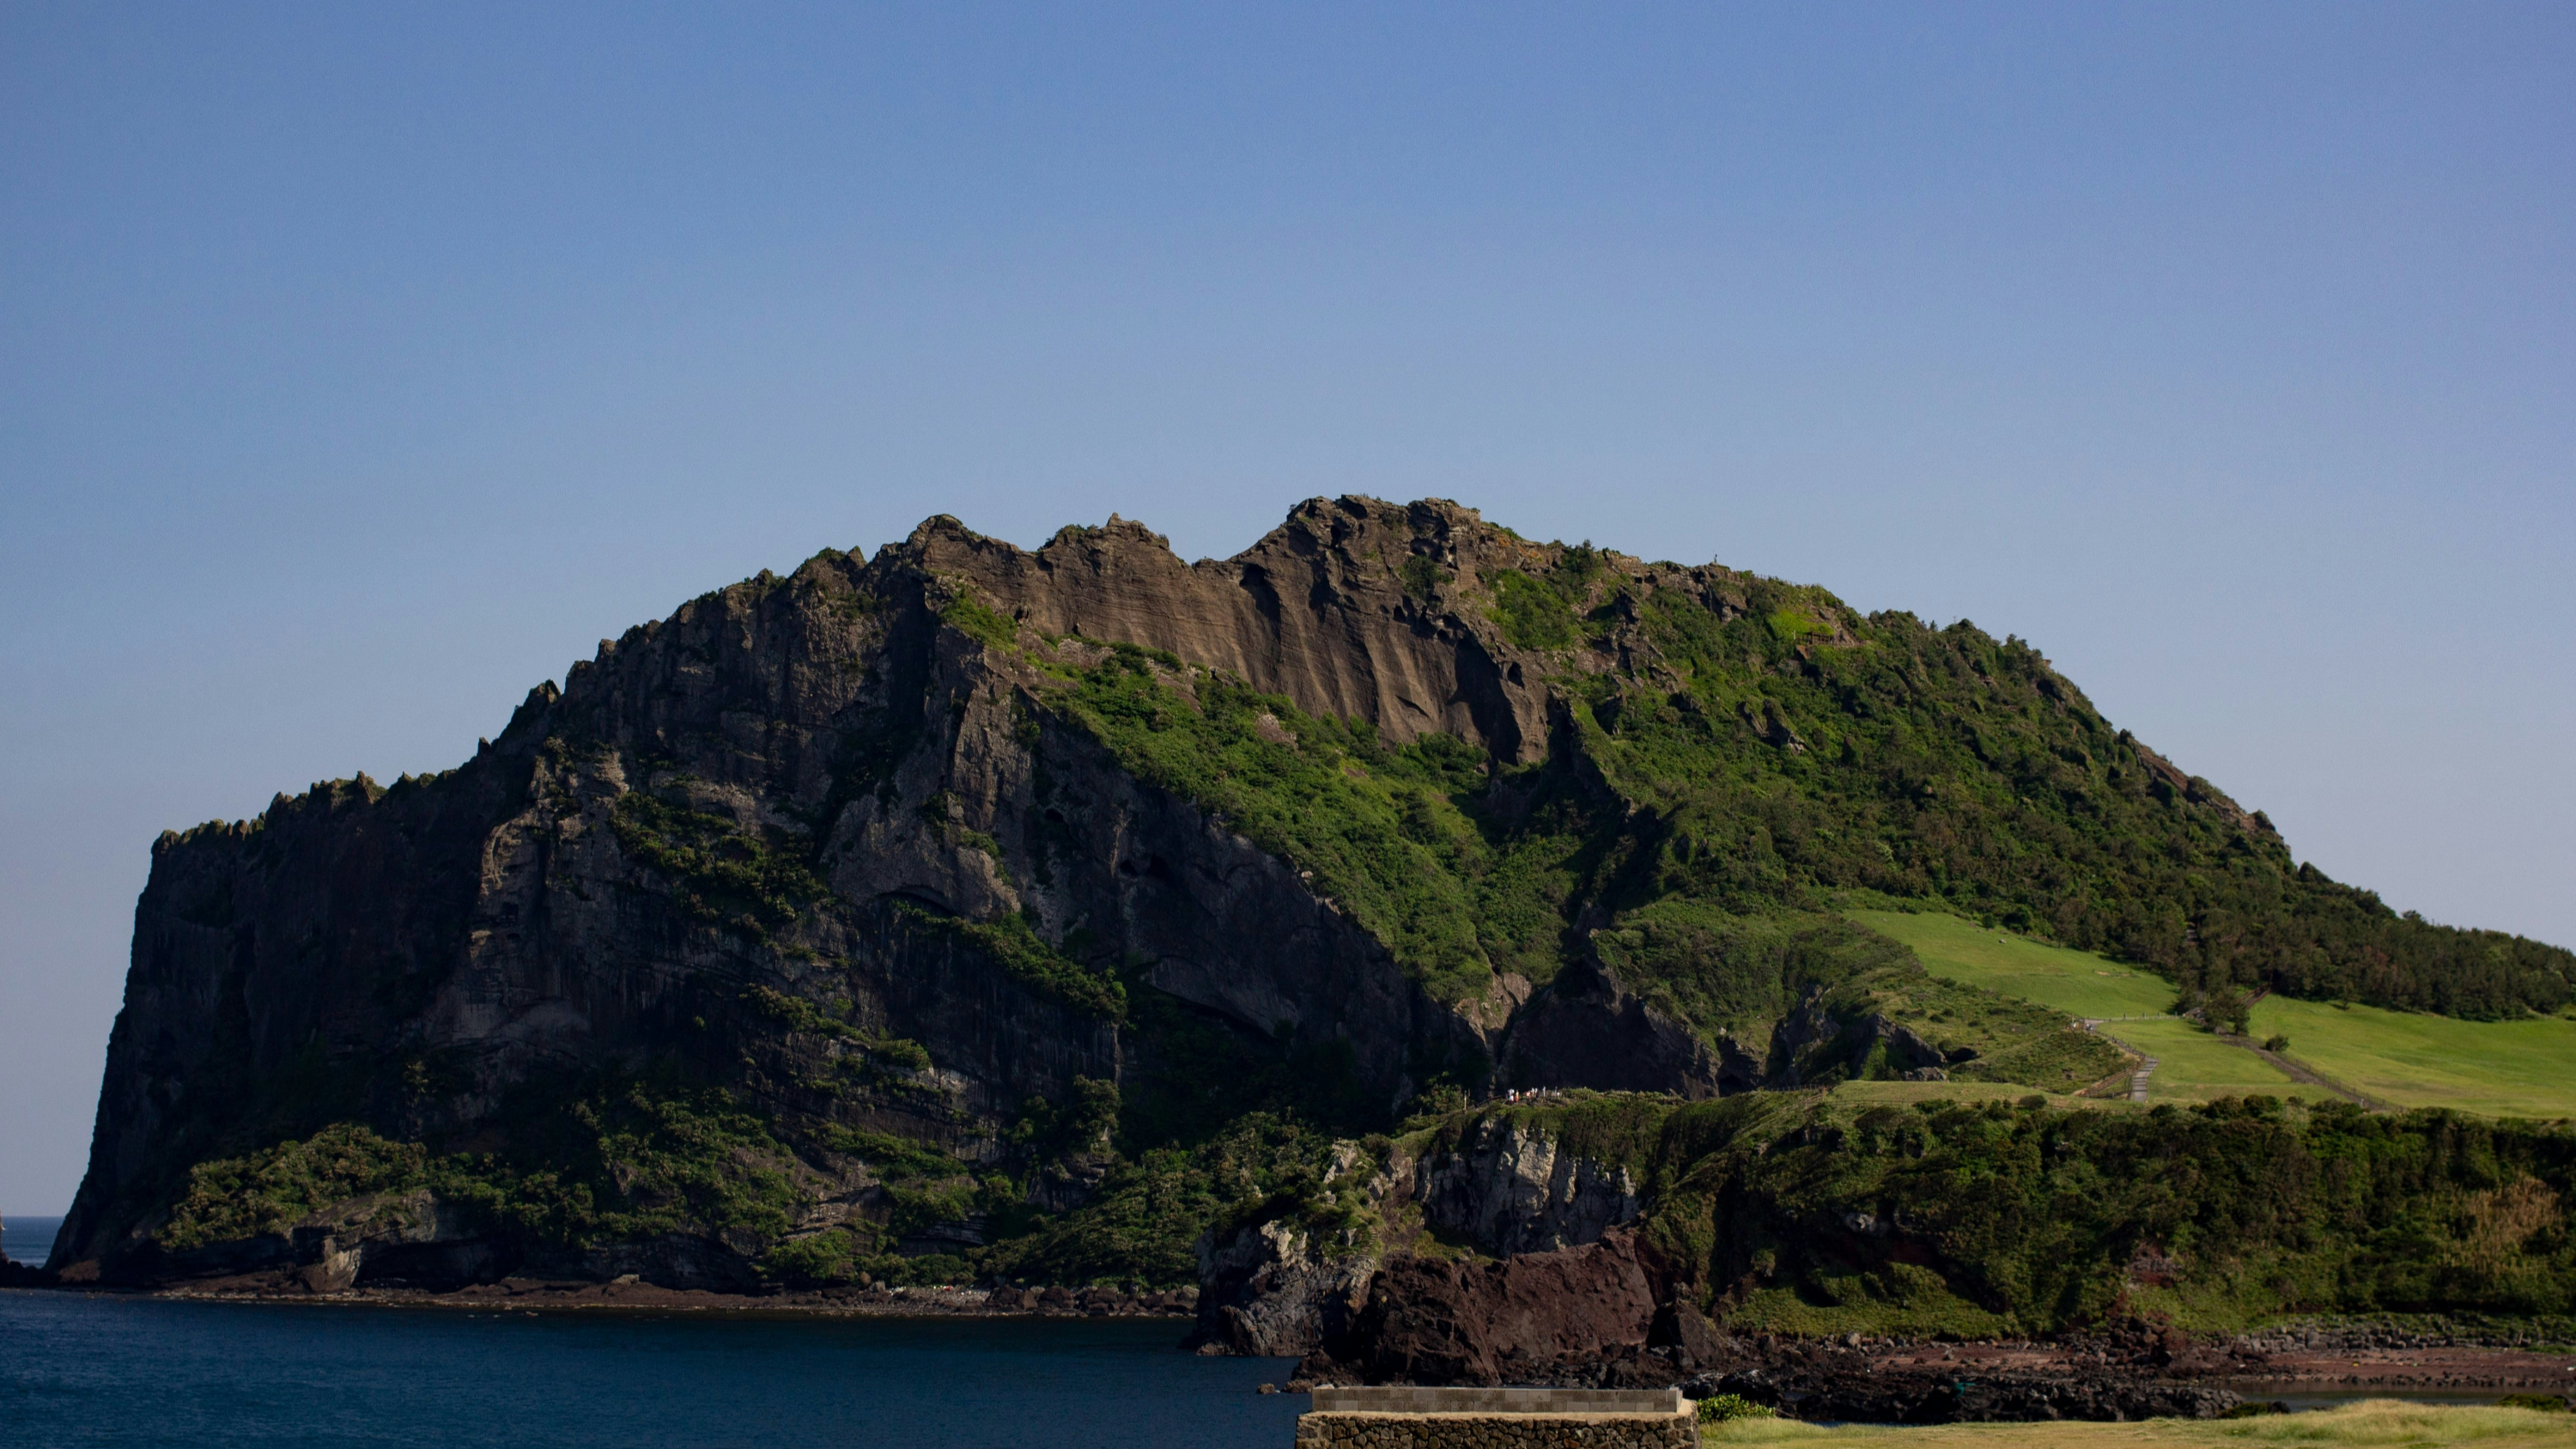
(1318, 611)
(1532, 1222)
(1586, 1029)
(1277, 1289)
(1510, 1188)
(1441, 1320)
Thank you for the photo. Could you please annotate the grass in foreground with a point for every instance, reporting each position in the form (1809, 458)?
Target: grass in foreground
(2523, 1068)
(2374, 1422)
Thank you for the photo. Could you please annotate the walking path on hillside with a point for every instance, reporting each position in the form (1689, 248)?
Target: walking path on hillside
(2306, 1076)
(2296, 1071)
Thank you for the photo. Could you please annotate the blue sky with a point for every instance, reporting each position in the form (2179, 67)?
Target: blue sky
(361, 366)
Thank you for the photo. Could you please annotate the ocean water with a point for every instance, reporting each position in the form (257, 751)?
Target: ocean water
(100, 1370)
(28, 1240)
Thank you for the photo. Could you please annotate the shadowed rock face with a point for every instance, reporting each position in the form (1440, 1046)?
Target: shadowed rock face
(1273, 1290)
(407, 956)
(1384, 1308)
(1433, 1320)
(1510, 1189)
(1586, 1030)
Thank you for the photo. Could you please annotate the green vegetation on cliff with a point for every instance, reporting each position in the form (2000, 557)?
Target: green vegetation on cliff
(624, 1158)
(1384, 831)
(1808, 1214)
(1014, 947)
(1943, 765)
(1144, 1222)
(579, 1162)
(1734, 973)
(576, 1164)
(724, 875)
(270, 1191)
(1780, 754)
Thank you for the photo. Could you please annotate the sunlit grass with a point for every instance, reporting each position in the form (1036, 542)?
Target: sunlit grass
(2191, 1065)
(2078, 983)
(2521, 1068)
(2194, 1066)
(2374, 1422)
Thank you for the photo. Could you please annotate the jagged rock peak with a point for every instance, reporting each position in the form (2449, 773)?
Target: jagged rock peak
(1352, 606)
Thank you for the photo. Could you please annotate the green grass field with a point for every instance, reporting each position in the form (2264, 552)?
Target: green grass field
(2374, 1422)
(2521, 1068)
(2194, 1066)
(2191, 1065)
(2078, 983)
(2404, 1059)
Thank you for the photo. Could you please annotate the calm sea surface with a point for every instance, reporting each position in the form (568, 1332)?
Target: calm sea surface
(80, 1370)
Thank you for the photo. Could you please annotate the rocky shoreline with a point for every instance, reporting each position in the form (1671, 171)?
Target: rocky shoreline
(633, 1294)
(2135, 1370)
(2129, 1371)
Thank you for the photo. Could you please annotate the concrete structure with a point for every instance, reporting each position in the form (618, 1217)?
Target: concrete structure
(1411, 1418)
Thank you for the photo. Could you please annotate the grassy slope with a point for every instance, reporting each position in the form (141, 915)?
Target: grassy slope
(2521, 1068)
(2076, 982)
(2191, 1065)
(2406, 1059)
(2194, 1066)
(2372, 1423)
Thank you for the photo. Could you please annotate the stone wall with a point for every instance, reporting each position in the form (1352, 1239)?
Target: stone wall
(1422, 1418)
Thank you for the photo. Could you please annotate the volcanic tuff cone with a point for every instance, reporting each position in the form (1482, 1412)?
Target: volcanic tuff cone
(892, 906)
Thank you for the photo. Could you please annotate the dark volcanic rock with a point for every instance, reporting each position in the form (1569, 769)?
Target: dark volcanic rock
(407, 957)
(888, 903)
(1854, 1393)
(1271, 1290)
(1509, 1189)
(1313, 611)
(1585, 1029)
(1441, 1321)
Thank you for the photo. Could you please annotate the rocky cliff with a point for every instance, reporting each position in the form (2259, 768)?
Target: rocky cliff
(1630, 1239)
(971, 912)
(802, 817)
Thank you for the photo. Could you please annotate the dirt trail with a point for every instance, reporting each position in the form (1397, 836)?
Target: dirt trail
(2304, 1075)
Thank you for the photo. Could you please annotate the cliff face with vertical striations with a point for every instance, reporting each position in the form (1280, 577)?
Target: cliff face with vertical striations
(820, 790)
(967, 911)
